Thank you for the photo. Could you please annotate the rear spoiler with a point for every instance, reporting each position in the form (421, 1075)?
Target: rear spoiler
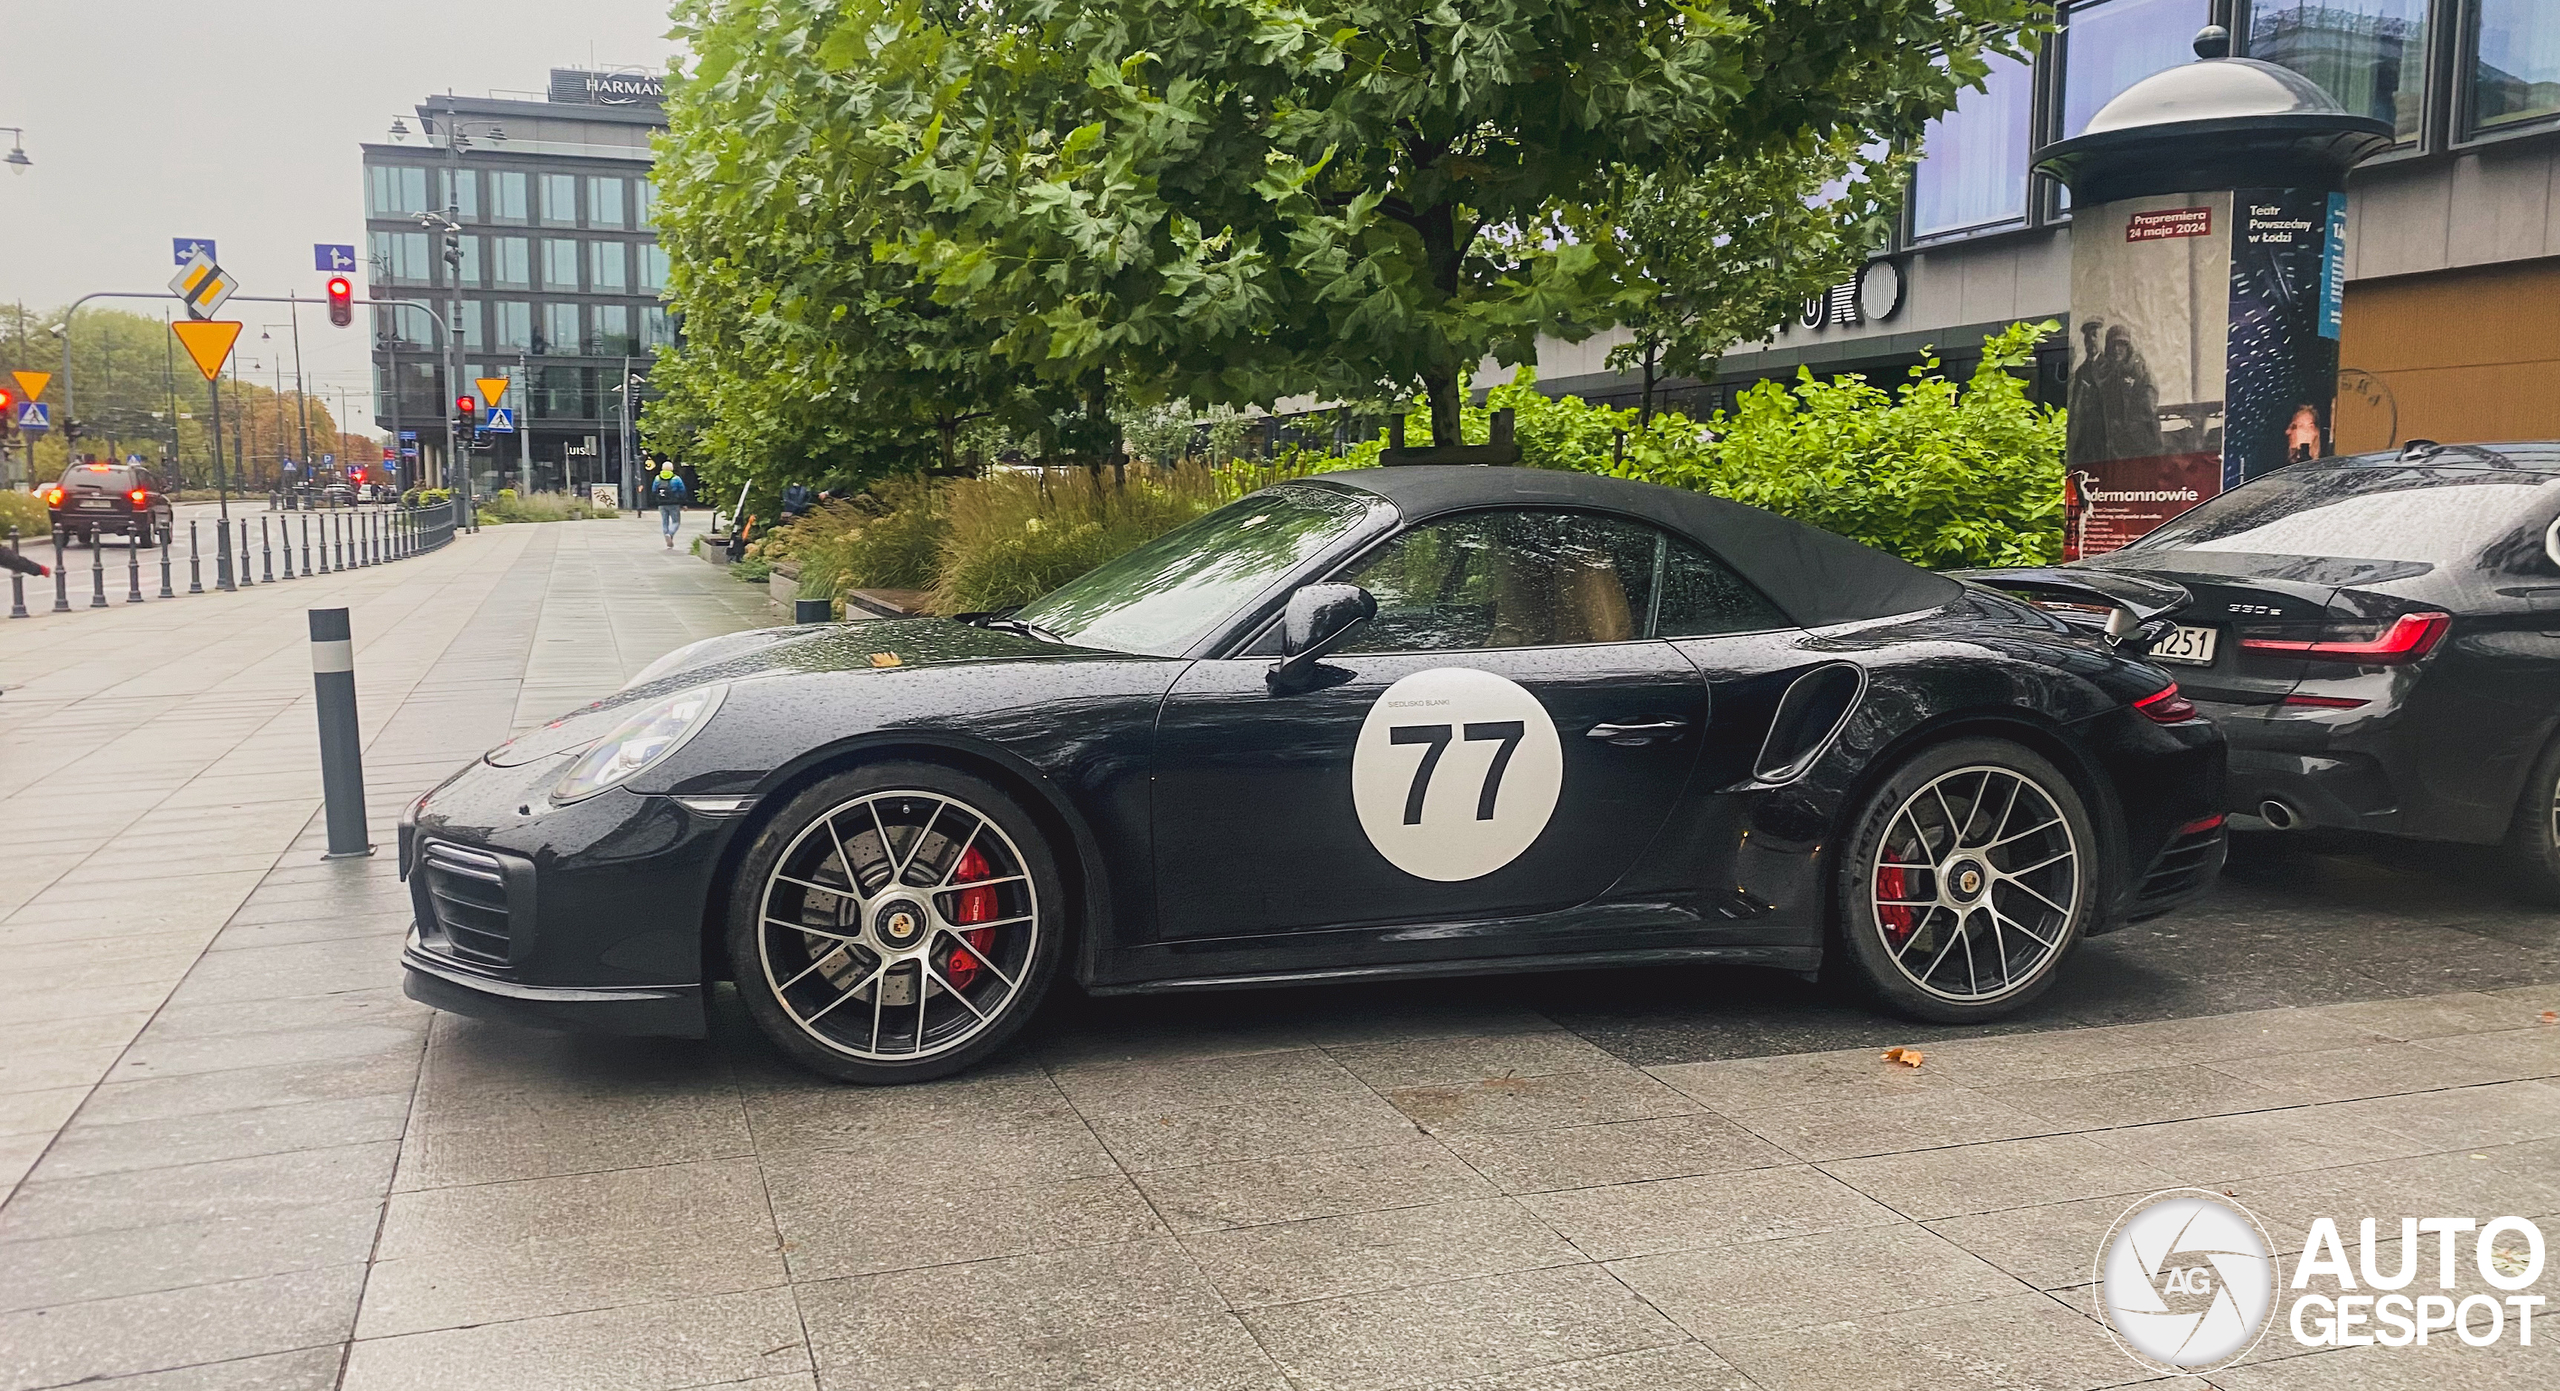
(2139, 610)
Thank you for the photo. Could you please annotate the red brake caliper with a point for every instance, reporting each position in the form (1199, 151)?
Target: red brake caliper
(974, 906)
(1896, 918)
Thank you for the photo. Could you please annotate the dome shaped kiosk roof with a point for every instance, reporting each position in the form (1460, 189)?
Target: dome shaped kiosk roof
(2214, 123)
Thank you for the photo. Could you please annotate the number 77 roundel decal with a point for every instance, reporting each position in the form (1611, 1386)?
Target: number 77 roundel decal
(1456, 773)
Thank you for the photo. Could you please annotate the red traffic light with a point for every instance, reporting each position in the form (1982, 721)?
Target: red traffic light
(463, 406)
(342, 308)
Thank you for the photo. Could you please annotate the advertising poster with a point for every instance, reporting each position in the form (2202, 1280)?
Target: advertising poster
(2150, 325)
(2284, 344)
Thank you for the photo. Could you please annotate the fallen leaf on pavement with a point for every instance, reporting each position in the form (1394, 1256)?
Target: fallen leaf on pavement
(2551, 1016)
(1908, 1057)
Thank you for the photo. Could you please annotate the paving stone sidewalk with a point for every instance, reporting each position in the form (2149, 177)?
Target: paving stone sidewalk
(277, 1174)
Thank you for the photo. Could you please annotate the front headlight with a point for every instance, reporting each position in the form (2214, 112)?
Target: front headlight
(655, 732)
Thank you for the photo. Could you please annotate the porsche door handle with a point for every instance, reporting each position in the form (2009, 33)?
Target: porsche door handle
(1636, 734)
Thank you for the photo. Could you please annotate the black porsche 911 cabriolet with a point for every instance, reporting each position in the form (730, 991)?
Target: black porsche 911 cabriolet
(1399, 722)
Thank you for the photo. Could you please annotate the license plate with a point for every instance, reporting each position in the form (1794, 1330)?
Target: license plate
(96, 504)
(2186, 646)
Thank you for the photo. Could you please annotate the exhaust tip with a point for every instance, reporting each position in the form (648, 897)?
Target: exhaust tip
(2279, 815)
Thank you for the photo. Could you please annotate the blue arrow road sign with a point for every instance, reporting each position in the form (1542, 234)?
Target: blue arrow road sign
(408, 434)
(502, 421)
(332, 256)
(35, 417)
(186, 248)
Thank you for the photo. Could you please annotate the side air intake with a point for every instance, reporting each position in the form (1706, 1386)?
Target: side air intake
(1809, 717)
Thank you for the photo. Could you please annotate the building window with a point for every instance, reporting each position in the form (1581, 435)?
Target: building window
(506, 196)
(461, 192)
(395, 191)
(561, 392)
(510, 262)
(559, 200)
(471, 340)
(604, 202)
(1973, 164)
(2514, 63)
(469, 273)
(559, 330)
(613, 332)
(655, 331)
(2369, 54)
(559, 264)
(405, 325)
(644, 205)
(400, 258)
(653, 266)
(608, 268)
(2113, 44)
(511, 325)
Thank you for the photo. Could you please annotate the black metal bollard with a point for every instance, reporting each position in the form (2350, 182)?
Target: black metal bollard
(61, 578)
(306, 540)
(195, 561)
(133, 570)
(17, 583)
(333, 688)
(222, 579)
(373, 537)
(286, 533)
(97, 573)
(266, 554)
(244, 551)
(165, 538)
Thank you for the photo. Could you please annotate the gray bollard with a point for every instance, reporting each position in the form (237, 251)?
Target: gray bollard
(195, 561)
(222, 579)
(133, 569)
(245, 581)
(306, 540)
(266, 554)
(97, 573)
(17, 583)
(165, 538)
(61, 578)
(333, 688)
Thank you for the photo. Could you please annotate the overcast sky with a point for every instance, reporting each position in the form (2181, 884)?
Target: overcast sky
(239, 122)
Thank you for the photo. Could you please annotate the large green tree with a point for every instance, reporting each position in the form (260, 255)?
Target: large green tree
(1230, 199)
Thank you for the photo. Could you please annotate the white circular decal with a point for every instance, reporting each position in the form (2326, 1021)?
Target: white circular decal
(2186, 1280)
(1456, 773)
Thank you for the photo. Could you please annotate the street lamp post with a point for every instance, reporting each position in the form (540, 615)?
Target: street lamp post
(457, 138)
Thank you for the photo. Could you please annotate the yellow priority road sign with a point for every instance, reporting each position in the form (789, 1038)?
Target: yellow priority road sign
(202, 286)
(33, 383)
(208, 342)
(492, 389)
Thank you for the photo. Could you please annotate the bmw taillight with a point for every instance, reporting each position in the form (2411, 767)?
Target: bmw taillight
(137, 495)
(2166, 706)
(2409, 637)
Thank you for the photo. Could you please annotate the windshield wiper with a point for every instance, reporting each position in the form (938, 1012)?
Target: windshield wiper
(1000, 620)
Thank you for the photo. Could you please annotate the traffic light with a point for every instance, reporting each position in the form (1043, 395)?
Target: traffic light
(465, 409)
(72, 430)
(8, 413)
(342, 301)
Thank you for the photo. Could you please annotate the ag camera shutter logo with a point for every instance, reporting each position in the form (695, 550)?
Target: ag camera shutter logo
(2186, 1281)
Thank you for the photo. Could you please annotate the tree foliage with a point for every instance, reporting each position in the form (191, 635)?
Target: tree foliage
(888, 217)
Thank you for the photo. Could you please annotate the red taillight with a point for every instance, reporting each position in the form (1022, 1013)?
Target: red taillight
(2166, 706)
(2324, 702)
(53, 497)
(973, 906)
(2410, 636)
(2207, 824)
(137, 495)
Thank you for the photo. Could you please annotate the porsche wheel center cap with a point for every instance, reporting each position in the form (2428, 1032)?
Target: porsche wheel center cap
(900, 924)
(1966, 879)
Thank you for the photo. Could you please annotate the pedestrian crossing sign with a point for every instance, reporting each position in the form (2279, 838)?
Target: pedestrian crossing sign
(502, 421)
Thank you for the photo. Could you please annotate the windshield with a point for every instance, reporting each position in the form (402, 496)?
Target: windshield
(2430, 516)
(1169, 593)
(110, 476)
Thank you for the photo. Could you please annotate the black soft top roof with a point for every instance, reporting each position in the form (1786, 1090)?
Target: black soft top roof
(1814, 576)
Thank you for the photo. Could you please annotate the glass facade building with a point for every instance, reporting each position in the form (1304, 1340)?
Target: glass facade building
(558, 277)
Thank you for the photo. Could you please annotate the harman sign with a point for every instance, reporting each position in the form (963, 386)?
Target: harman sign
(583, 88)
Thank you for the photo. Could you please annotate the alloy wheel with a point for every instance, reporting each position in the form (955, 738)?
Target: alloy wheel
(1975, 883)
(899, 926)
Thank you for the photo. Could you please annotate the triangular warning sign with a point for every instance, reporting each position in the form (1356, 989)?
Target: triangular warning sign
(208, 341)
(33, 383)
(492, 390)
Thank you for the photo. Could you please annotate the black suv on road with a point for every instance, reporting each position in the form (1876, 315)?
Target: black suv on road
(95, 499)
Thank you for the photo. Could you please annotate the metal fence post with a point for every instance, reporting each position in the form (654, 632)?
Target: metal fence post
(17, 582)
(133, 569)
(165, 538)
(61, 581)
(97, 574)
(333, 689)
(195, 562)
(266, 554)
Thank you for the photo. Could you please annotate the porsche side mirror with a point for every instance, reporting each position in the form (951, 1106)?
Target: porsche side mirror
(1319, 619)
